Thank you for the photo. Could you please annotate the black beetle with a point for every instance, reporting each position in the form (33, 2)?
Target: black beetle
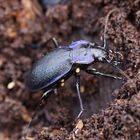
(54, 68)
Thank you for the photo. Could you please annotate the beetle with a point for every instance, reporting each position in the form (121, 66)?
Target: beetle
(63, 61)
(56, 67)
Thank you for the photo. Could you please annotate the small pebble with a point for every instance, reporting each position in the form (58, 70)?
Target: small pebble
(11, 85)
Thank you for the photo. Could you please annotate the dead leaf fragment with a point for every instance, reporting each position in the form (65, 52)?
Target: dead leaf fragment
(57, 132)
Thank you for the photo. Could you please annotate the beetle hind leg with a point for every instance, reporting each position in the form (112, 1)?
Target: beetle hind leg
(79, 96)
(45, 94)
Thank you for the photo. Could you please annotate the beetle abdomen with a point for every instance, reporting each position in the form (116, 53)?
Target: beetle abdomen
(49, 69)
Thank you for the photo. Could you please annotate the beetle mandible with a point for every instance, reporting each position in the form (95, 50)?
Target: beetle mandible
(62, 62)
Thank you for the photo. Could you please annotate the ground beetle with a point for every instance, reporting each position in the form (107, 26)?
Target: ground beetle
(57, 66)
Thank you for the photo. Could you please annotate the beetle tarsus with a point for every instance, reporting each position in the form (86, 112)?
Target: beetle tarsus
(79, 96)
(93, 71)
(80, 113)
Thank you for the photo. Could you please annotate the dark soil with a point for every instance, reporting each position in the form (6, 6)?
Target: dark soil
(112, 106)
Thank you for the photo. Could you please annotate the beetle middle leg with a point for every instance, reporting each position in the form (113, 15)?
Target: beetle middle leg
(93, 71)
(79, 96)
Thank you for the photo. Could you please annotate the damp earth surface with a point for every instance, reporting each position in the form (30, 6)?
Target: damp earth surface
(112, 107)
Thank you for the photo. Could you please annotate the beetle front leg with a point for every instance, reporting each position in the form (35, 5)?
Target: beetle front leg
(95, 72)
(79, 96)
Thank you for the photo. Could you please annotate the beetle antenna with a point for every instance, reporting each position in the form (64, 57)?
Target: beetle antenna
(106, 26)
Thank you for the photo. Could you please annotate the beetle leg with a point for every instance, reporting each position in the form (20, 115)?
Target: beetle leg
(44, 96)
(79, 96)
(54, 41)
(95, 72)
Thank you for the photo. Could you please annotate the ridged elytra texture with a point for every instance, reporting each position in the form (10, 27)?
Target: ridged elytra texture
(49, 69)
